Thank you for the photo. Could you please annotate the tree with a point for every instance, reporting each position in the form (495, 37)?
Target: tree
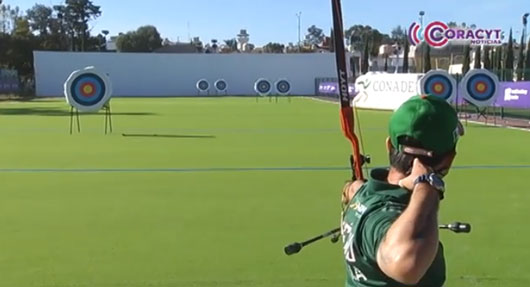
(527, 62)
(314, 36)
(276, 48)
(486, 58)
(365, 59)
(352, 66)
(498, 61)
(145, 39)
(406, 54)
(17, 53)
(452, 24)
(77, 14)
(39, 17)
(398, 33)
(232, 44)
(375, 40)
(520, 60)
(427, 59)
(8, 17)
(466, 66)
(332, 41)
(478, 60)
(22, 28)
(358, 35)
(508, 64)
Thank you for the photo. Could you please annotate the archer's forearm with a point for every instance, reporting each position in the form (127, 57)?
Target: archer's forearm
(411, 243)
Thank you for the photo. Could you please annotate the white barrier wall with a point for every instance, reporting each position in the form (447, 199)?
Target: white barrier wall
(147, 74)
(385, 91)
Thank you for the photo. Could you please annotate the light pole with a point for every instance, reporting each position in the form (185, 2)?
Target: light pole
(298, 15)
(422, 13)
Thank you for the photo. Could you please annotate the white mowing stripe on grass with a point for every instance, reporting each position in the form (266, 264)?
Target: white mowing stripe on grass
(501, 126)
(320, 100)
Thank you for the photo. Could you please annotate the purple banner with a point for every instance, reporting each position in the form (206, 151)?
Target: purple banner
(8, 81)
(513, 95)
(331, 88)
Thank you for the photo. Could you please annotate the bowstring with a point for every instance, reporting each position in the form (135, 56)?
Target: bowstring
(361, 141)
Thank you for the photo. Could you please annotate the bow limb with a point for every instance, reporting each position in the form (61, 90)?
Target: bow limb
(347, 113)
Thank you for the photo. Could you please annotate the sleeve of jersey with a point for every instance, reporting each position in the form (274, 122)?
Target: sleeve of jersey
(375, 226)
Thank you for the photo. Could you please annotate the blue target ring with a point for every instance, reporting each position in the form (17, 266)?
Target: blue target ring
(263, 87)
(481, 87)
(220, 85)
(88, 89)
(203, 85)
(438, 86)
(283, 87)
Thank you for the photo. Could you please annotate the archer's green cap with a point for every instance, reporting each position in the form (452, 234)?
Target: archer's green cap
(428, 119)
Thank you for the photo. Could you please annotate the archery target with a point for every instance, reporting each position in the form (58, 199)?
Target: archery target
(220, 85)
(440, 84)
(263, 87)
(283, 87)
(203, 85)
(87, 90)
(480, 87)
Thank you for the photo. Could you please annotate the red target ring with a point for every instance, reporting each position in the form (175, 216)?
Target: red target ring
(481, 87)
(88, 90)
(438, 88)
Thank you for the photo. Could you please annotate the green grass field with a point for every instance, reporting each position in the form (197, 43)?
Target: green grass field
(213, 201)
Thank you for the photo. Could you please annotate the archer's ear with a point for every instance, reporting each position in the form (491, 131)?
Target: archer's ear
(388, 144)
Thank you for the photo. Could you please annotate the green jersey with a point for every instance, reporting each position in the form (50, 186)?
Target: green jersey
(370, 213)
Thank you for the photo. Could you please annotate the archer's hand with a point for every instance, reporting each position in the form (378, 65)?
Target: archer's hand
(418, 169)
(349, 190)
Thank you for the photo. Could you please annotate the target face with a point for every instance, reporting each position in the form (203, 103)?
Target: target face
(440, 84)
(263, 87)
(203, 85)
(480, 87)
(220, 85)
(87, 90)
(283, 87)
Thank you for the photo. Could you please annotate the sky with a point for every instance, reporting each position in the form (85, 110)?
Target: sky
(276, 20)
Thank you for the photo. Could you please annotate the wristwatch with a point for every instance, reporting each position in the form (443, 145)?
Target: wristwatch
(434, 180)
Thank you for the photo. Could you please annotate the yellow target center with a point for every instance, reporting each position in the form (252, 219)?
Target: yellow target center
(438, 88)
(481, 87)
(87, 89)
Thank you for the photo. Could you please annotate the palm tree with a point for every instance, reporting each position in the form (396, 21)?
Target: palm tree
(232, 44)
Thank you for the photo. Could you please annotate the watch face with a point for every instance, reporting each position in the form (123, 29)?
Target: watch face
(437, 182)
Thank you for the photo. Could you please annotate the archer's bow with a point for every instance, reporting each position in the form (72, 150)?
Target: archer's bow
(346, 110)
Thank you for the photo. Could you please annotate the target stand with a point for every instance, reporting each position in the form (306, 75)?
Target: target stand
(283, 88)
(108, 118)
(480, 89)
(88, 90)
(74, 117)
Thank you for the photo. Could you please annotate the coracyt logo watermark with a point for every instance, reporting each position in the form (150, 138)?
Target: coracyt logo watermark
(438, 34)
